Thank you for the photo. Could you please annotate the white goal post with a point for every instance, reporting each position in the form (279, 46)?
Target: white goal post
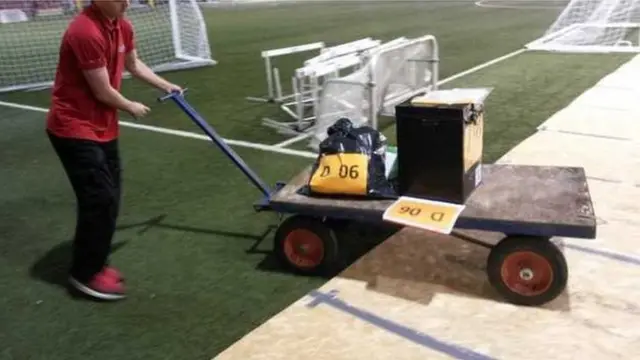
(594, 26)
(170, 35)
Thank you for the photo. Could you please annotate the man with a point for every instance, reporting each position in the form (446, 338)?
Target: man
(82, 126)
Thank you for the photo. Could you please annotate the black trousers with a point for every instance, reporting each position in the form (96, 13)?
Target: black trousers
(94, 171)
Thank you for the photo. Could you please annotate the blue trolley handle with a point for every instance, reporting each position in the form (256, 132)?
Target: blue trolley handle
(179, 99)
(171, 95)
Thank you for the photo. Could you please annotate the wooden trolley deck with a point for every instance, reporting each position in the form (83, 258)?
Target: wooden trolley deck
(513, 199)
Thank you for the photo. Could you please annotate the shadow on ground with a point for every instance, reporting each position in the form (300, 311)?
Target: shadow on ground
(355, 240)
(52, 267)
(409, 265)
(416, 265)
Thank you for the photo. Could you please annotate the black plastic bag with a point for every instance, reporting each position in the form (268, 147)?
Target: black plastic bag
(351, 162)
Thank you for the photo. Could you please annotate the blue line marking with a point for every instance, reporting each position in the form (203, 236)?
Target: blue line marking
(613, 256)
(415, 336)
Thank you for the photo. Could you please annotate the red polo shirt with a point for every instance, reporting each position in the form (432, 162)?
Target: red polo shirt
(90, 42)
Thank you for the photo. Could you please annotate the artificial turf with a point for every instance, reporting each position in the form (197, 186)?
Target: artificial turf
(188, 240)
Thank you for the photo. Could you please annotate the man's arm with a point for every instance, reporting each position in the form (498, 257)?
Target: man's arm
(98, 80)
(90, 52)
(138, 69)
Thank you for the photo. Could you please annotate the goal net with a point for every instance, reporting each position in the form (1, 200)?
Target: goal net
(594, 26)
(392, 73)
(170, 35)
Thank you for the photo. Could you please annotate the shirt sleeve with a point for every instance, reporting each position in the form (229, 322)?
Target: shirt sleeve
(89, 49)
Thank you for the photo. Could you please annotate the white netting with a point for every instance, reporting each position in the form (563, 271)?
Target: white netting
(170, 35)
(393, 73)
(594, 26)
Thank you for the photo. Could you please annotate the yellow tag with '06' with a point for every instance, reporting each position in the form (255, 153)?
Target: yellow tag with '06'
(341, 174)
(424, 214)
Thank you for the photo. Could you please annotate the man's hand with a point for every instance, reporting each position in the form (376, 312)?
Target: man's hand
(170, 88)
(137, 110)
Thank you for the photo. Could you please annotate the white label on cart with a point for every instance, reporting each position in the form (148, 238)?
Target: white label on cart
(430, 215)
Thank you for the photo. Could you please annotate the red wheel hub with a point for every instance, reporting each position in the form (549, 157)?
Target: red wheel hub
(527, 273)
(303, 248)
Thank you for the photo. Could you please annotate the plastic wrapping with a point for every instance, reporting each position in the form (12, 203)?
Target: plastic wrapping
(351, 162)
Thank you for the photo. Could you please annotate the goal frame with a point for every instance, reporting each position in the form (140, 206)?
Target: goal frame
(542, 44)
(181, 61)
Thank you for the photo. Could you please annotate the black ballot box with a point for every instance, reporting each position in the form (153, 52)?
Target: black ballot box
(439, 143)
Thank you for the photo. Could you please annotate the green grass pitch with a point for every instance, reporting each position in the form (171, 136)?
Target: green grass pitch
(195, 254)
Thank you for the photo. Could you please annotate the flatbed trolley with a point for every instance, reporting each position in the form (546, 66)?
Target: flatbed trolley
(529, 204)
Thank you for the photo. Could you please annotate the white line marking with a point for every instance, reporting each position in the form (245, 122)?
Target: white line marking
(23, 107)
(185, 134)
(482, 66)
(293, 140)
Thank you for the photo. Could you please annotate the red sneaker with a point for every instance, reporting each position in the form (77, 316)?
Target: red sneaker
(102, 286)
(112, 272)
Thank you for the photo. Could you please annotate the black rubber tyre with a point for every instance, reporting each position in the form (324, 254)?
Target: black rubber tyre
(527, 271)
(307, 246)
